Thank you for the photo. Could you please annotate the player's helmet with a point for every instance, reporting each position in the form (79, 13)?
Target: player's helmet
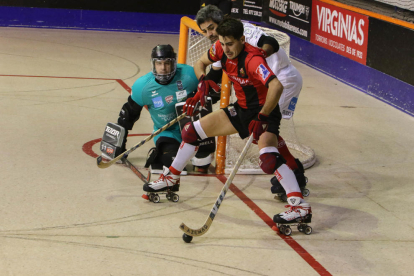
(164, 52)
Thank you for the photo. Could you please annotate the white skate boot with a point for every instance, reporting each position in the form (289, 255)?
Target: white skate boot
(168, 183)
(299, 214)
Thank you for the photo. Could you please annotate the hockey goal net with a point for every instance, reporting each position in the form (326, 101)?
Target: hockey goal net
(192, 45)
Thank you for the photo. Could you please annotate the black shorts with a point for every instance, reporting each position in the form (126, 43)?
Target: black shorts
(240, 118)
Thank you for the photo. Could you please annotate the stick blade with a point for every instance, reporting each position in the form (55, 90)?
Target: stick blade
(196, 232)
(101, 164)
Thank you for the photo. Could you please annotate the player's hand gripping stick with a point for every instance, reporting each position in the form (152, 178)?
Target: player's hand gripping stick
(258, 126)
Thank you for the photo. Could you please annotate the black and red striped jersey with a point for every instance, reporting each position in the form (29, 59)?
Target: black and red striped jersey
(249, 73)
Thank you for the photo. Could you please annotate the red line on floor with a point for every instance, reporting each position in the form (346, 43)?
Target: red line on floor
(124, 85)
(289, 240)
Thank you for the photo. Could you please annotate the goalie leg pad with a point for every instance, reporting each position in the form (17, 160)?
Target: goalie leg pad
(112, 143)
(270, 160)
(168, 148)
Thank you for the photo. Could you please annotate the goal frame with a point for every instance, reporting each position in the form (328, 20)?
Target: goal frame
(185, 25)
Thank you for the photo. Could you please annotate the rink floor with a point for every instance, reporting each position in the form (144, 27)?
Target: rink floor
(62, 215)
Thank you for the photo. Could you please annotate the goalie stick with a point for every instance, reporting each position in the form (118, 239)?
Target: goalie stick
(198, 232)
(104, 165)
(135, 170)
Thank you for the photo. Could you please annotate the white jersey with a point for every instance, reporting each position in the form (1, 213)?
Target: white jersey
(276, 61)
(280, 64)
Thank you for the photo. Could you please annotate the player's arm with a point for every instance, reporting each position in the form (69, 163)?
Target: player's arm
(201, 65)
(273, 95)
(268, 44)
(129, 114)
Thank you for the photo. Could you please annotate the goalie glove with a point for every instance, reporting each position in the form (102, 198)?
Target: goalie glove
(258, 126)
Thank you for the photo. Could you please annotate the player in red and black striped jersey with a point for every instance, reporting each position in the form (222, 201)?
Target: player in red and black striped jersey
(255, 113)
(249, 73)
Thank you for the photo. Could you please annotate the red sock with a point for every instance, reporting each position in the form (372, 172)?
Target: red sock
(284, 151)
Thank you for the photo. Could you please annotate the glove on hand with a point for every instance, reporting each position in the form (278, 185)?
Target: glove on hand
(258, 126)
(190, 104)
(203, 90)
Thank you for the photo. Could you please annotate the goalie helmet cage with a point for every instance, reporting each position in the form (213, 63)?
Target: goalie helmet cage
(192, 44)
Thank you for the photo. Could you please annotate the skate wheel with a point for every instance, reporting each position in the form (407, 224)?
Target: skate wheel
(187, 238)
(144, 196)
(308, 230)
(151, 197)
(175, 198)
(300, 228)
(287, 231)
(306, 180)
(156, 198)
(305, 192)
(282, 228)
(168, 196)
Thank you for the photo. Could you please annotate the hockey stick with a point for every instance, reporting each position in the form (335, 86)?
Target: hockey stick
(135, 170)
(104, 165)
(198, 232)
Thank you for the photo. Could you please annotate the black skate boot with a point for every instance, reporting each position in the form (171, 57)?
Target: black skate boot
(278, 190)
(168, 183)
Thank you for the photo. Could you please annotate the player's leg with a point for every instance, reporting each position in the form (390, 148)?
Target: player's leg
(272, 162)
(192, 134)
(163, 154)
(292, 86)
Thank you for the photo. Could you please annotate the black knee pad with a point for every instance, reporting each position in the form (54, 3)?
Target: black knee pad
(167, 148)
(151, 157)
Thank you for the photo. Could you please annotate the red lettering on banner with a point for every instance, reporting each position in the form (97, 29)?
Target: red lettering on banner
(339, 30)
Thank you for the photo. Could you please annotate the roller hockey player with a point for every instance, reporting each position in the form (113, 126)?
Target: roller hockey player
(208, 19)
(256, 113)
(159, 90)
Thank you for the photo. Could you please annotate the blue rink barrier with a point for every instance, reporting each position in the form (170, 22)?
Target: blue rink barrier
(366, 79)
(90, 20)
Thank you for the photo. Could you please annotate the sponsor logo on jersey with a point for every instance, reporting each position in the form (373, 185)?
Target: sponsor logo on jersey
(292, 104)
(154, 93)
(262, 71)
(167, 117)
(112, 131)
(158, 103)
(169, 99)
(181, 95)
(242, 73)
(109, 150)
(287, 112)
(240, 80)
(180, 85)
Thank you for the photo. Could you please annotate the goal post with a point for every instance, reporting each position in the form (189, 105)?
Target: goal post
(187, 24)
(192, 45)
